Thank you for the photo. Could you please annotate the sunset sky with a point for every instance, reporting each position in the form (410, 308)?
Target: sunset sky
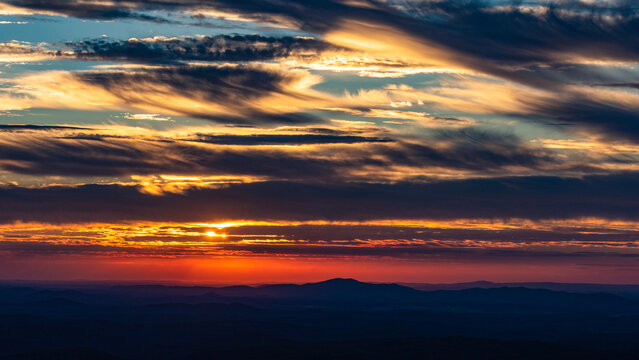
(247, 141)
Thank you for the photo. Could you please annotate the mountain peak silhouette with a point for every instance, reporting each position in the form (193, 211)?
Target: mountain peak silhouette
(340, 281)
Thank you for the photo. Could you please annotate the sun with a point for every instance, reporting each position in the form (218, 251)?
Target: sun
(213, 234)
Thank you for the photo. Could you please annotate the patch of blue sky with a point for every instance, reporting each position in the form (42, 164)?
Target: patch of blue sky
(338, 82)
(161, 122)
(12, 70)
(88, 118)
(41, 28)
(40, 116)
(525, 129)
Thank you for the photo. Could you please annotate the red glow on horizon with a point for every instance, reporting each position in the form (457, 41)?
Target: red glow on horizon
(252, 270)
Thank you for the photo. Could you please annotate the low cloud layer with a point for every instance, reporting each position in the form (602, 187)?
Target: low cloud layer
(609, 197)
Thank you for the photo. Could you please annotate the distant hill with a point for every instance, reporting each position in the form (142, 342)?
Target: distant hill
(333, 289)
(476, 296)
(570, 287)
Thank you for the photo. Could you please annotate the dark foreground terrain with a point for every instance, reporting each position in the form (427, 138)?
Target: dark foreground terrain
(335, 319)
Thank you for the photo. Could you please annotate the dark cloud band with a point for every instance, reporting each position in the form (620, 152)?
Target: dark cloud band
(203, 48)
(332, 157)
(612, 197)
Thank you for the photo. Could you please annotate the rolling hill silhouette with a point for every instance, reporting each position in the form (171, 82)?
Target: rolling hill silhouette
(333, 319)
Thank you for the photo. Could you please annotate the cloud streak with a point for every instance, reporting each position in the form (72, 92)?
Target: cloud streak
(309, 157)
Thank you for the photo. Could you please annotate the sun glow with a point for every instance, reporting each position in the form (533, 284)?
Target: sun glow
(213, 234)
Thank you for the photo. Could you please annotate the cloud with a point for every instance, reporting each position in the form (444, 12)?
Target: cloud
(470, 36)
(308, 157)
(103, 10)
(225, 93)
(547, 47)
(230, 48)
(21, 52)
(294, 52)
(544, 45)
(422, 118)
(608, 197)
(579, 238)
(147, 117)
(499, 38)
(12, 10)
(292, 139)
(17, 128)
(604, 111)
(616, 118)
(483, 36)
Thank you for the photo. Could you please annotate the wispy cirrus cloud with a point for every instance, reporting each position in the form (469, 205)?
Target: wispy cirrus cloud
(311, 157)
(610, 112)
(21, 52)
(228, 93)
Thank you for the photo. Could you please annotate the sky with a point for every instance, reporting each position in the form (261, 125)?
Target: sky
(252, 141)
